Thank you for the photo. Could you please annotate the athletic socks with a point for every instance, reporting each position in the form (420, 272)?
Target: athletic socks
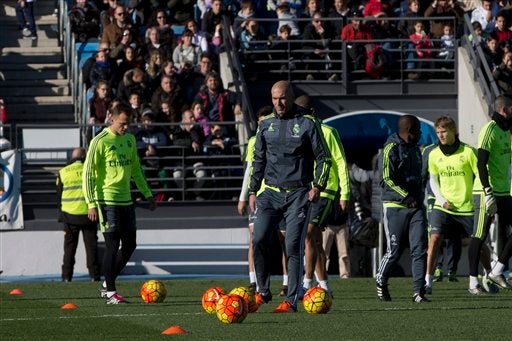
(285, 279)
(473, 282)
(306, 284)
(324, 285)
(498, 269)
(252, 277)
(428, 280)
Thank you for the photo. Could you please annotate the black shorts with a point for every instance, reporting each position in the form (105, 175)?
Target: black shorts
(319, 210)
(115, 218)
(450, 224)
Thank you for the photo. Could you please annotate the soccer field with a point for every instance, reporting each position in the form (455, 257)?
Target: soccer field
(356, 313)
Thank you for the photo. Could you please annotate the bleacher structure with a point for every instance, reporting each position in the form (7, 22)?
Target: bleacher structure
(184, 236)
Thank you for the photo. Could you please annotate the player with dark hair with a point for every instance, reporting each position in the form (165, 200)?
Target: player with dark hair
(404, 213)
(111, 162)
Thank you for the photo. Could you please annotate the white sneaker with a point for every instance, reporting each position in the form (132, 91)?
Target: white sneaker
(116, 299)
(26, 32)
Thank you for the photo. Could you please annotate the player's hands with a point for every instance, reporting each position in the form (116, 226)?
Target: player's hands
(92, 214)
(152, 203)
(410, 202)
(448, 206)
(490, 202)
(242, 207)
(343, 205)
(314, 194)
(252, 202)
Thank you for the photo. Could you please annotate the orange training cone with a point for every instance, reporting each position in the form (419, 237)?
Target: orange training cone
(16, 292)
(174, 330)
(69, 306)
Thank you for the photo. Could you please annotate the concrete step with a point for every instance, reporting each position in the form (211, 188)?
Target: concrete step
(33, 71)
(40, 113)
(15, 40)
(40, 100)
(34, 82)
(32, 50)
(22, 58)
(36, 90)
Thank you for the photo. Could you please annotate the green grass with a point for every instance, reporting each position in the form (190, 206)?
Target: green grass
(356, 314)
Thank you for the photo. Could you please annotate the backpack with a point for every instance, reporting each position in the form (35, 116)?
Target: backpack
(375, 60)
(364, 232)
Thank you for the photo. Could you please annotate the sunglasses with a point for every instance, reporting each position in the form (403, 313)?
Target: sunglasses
(121, 14)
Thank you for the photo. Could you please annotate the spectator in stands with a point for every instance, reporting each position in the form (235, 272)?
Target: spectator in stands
(73, 213)
(186, 54)
(190, 138)
(503, 74)
(447, 43)
(340, 11)
(442, 8)
(502, 32)
(135, 12)
(192, 80)
(318, 35)
(407, 26)
(129, 61)
(294, 6)
(133, 81)
(99, 103)
(219, 104)
(480, 37)
(493, 54)
(153, 44)
(212, 18)
(103, 70)
(277, 46)
(483, 14)
(166, 115)
(286, 17)
(375, 8)
(84, 20)
(160, 20)
(356, 30)
(25, 16)
(169, 93)
(136, 106)
(107, 13)
(312, 6)
(151, 143)
(198, 110)
(181, 10)
(118, 33)
(129, 38)
(199, 37)
(241, 20)
(422, 48)
(153, 67)
(217, 40)
(251, 40)
(167, 69)
(384, 31)
(89, 63)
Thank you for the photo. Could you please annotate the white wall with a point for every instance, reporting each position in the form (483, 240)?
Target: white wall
(472, 106)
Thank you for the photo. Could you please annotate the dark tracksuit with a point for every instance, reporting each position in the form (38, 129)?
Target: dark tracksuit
(285, 153)
(401, 164)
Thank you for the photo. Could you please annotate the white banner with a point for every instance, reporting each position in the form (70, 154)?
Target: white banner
(11, 208)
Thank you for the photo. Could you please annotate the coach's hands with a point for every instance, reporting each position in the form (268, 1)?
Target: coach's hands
(252, 202)
(242, 207)
(314, 194)
(152, 203)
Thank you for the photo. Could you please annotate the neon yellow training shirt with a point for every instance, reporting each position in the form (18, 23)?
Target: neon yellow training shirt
(111, 162)
(455, 174)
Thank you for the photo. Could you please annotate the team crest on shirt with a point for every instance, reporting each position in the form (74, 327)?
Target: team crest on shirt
(271, 127)
(295, 130)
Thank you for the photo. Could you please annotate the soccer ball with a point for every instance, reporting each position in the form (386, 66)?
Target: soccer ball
(153, 291)
(231, 308)
(210, 298)
(317, 301)
(248, 297)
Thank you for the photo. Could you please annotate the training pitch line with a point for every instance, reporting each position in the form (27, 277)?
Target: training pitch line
(201, 313)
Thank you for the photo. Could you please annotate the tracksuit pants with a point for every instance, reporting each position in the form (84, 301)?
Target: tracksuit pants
(271, 207)
(401, 224)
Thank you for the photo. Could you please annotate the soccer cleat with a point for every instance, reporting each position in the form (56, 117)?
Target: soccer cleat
(383, 293)
(103, 291)
(263, 298)
(499, 280)
(284, 291)
(420, 298)
(489, 286)
(438, 275)
(477, 291)
(116, 299)
(452, 277)
(284, 308)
